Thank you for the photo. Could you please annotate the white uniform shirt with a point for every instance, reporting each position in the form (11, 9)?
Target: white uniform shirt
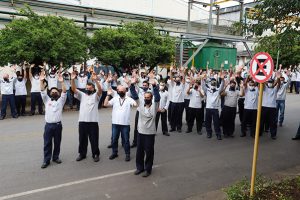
(88, 111)
(35, 85)
(298, 76)
(177, 92)
(186, 87)
(7, 88)
(81, 82)
(53, 109)
(20, 87)
(164, 100)
(121, 109)
(52, 81)
(212, 96)
(251, 99)
(195, 99)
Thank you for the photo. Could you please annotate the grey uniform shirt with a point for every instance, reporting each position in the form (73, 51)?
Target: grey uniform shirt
(147, 116)
(269, 97)
(281, 94)
(231, 97)
(251, 99)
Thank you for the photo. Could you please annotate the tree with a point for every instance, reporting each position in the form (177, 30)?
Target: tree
(36, 39)
(282, 19)
(132, 44)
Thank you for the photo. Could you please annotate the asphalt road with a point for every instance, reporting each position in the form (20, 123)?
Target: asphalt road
(185, 164)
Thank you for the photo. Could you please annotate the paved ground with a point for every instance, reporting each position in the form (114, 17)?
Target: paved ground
(187, 165)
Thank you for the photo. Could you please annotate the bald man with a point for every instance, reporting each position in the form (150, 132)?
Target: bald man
(122, 105)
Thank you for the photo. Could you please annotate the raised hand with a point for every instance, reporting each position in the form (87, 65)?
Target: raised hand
(133, 80)
(32, 65)
(109, 92)
(60, 78)
(278, 74)
(73, 75)
(94, 77)
(42, 76)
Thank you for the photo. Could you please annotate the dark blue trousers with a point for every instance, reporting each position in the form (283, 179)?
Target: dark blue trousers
(124, 130)
(36, 98)
(212, 115)
(20, 104)
(52, 132)
(8, 98)
(145, 145)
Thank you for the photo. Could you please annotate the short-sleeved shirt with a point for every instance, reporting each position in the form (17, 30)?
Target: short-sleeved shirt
(7, 87)
(121, 109)
(20, 87)
(88, 111)
(195, 99)
(53, 109)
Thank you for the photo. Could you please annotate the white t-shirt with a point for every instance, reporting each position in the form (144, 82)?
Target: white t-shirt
(81, 82)
(35, 85)
(88, 106)
(121, 109)
(20, 87)
(53, 109)
(7, 87)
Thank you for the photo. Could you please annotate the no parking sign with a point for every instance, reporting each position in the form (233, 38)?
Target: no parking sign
(261, 67)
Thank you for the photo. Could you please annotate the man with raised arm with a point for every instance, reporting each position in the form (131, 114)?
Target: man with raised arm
(53, 114)
(88, 117)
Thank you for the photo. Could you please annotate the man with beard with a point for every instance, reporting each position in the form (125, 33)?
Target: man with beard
(88, 117)
(53, 114)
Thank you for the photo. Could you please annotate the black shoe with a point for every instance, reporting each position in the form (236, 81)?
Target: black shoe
(57, 161)
(199, 132)
(188, 131)
(179, 130)
(109, 146)
(166, 134)
(113, 156)
(96, 158)
(23, 114)
(146, 174)
(219, 137)
(15, 116)
(172, 130)
(127, 158)
(209, 136)
(273, 137)
(137, 172)
(296, 138)
(133, 145)
(31, 114)
(280, 124)
(80, 158)
(242, 135)
(2, 117)
(45, 165)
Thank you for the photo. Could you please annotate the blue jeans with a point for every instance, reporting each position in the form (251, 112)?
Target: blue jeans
(70, 98)
(124, 130)
(280, 109)
(8, 98)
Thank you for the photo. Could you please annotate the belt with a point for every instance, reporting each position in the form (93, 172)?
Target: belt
(53, 123)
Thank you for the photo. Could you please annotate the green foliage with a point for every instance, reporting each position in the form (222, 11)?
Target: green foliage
(132, 44)
(281, 17)
(288, 44)
(42, 38)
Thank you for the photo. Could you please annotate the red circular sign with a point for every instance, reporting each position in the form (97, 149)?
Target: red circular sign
(261, 67)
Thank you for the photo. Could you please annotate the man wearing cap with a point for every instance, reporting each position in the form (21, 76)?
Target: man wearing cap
(53, 114)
